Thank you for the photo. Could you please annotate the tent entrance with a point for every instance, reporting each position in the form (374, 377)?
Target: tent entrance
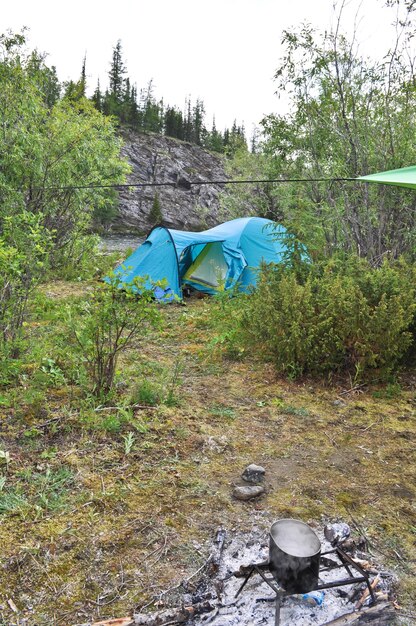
(209, 269)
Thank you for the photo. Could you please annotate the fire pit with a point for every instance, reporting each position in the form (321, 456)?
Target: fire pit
(295, 562)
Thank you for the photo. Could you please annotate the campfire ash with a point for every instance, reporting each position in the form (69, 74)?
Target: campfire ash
(225, 593)
(256, 603)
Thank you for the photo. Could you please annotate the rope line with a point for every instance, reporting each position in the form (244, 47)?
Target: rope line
(185, 184)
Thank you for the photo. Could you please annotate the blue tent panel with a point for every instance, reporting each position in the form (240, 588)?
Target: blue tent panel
(167, 255)
(155, 260)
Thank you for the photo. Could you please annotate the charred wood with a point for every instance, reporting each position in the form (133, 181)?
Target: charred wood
(378, 615)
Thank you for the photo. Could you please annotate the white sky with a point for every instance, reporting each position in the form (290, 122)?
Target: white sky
(223, 51)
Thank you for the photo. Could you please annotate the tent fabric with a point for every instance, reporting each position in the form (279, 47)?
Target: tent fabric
(210, 260)
(209, 268)
(404, 177)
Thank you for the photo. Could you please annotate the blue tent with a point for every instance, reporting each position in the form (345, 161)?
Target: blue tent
(208, 261)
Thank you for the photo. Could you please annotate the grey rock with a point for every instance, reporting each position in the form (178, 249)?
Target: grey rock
(253, 474)
(155, 158)
(337, 533)
(248, 493)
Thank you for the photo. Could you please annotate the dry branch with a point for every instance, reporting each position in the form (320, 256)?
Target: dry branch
(171, 616)
(366, 593)
(215, 557)
(378, 615)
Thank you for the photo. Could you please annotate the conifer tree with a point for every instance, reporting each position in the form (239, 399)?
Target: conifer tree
(45, 77)
(188, 126)
(198, 127)
(214, 140)
(97, 97)
(173, 124)
(83, 79)
(116, 73)
(75, 91)
(155, 214)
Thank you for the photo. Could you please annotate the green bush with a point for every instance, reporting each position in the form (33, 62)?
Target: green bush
(84, 260)
(343, 315)
(146, 393)
(24, 248)
(107, 323)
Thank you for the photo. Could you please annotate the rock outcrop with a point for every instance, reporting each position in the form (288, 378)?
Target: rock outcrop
(158, 159)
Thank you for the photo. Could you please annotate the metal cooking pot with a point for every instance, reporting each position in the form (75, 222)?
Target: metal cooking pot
(294, 555)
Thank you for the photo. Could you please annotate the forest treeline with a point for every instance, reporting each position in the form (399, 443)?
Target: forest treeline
(142, 111)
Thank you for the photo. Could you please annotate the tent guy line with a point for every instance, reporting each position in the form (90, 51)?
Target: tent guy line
(185, 184)
(403, 177)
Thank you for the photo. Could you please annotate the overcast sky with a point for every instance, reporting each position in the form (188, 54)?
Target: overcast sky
(223, 51)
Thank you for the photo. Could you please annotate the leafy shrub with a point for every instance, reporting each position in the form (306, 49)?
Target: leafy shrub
(107, 323)
(224, 315)
(84, 260)
(146, 393)
(24, 247)
(343, 315)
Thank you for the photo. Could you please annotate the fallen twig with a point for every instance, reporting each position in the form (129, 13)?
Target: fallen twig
(379, 615)
(131, 406)
(215, 558)
(366, 593)
(12, 605)
(352, 389)
(121, 621)
(171, 616)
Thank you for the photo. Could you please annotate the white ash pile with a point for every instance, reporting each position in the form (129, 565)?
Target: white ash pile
(213, 594)
(256, 602)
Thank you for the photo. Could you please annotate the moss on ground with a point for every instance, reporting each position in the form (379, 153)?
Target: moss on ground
(92, 528)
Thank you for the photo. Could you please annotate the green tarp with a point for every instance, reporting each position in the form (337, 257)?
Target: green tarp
(404, 177)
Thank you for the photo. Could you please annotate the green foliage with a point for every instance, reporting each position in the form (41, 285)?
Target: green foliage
(343, 316)
(129, 441)
(54, 373)
(157, 385)
(350, 116)
(391, 391)
(50, 147)
(146, 393)
(106, 323)
(252, 199)
(155, 215)
(225, 412)
(224, 315)
(171, 398)
(37, 493)
(84, 260)
(24, 249)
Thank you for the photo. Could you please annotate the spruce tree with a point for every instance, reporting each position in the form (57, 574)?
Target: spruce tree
(116, 74)
(198, 127)
(75, 91)
(155, 215)
(83, 79)
(214, 140)
(97, 97)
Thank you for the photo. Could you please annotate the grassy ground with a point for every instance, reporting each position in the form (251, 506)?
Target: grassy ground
(103, 508)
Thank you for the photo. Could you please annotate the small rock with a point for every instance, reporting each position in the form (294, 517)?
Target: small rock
(248, 493)
(218, 444)
(337, 533)
(253, 474)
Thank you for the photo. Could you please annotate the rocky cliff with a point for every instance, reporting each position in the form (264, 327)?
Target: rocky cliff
(164, 160)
